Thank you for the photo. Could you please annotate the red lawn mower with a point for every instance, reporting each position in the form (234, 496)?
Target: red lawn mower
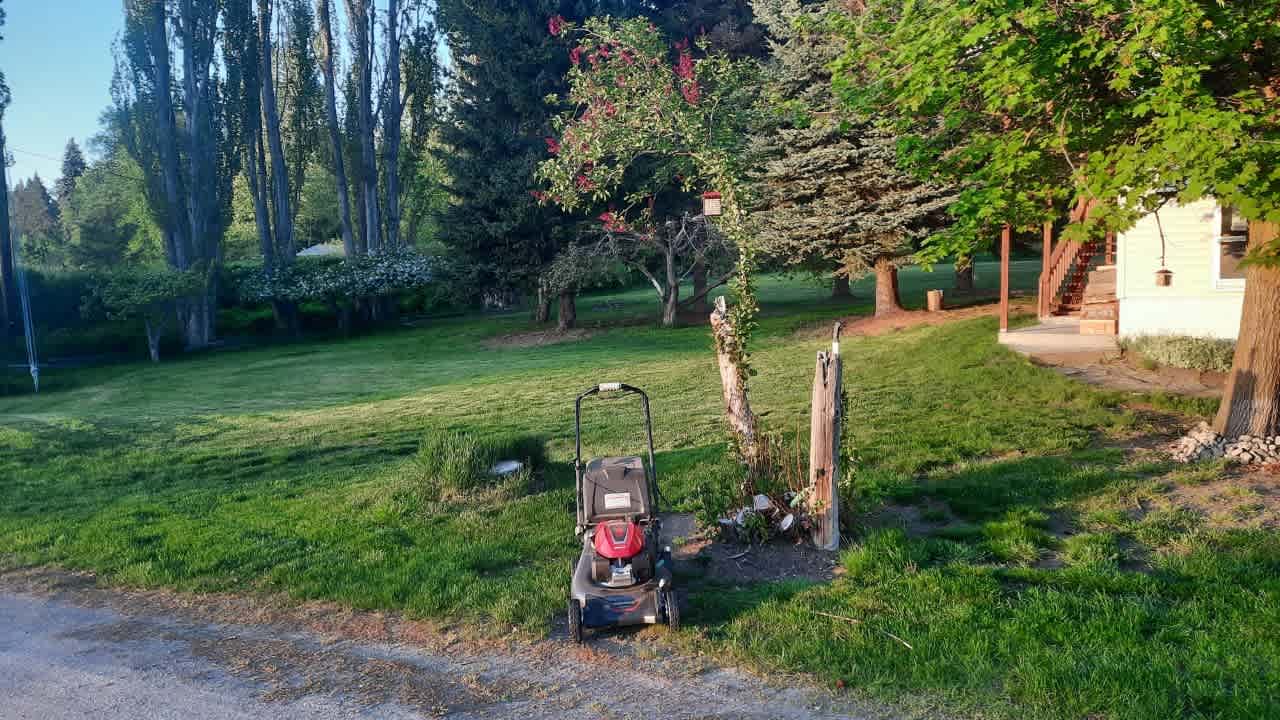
(622, 576)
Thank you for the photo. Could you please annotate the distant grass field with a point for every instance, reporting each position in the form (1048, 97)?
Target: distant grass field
(1033, 585)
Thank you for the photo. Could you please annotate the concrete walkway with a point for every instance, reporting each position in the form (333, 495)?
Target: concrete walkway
(1058, 338)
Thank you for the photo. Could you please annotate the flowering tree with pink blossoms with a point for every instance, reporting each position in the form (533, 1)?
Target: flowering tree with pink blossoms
(648, 116)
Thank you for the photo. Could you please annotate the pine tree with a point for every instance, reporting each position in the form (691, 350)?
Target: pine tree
(507, 63)
(73, 166)
(35, 221)
(831, 194)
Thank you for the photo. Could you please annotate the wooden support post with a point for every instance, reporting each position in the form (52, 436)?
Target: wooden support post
(1044, 296)
(1006, 241)
(824, 447)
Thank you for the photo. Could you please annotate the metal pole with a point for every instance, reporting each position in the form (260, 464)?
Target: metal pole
(29, 331)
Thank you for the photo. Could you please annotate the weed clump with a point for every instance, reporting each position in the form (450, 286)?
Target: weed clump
(1181, 351)
(454, 462)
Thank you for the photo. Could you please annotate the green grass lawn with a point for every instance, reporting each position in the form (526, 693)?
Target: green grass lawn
(1039, 580)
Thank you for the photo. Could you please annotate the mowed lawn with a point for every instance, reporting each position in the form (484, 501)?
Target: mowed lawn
(1038, 573)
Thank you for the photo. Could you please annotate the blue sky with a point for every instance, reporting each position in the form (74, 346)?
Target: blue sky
(56, 56)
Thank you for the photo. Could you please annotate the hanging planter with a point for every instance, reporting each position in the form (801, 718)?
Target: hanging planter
(1164, 276)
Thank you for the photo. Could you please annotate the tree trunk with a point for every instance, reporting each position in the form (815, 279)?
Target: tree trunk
(154, 333)
(335, 136)
(737, 408)
(887, 300)
(167, 135)
(568, 311)
(198, 28)
(671, 295)
(9, 311)
(700, 304)
(360, 20)
(542, 304)
(393, 113)
(254, 172)
(964, 275)
(840, 287)
(1251, 399)
(285, 250)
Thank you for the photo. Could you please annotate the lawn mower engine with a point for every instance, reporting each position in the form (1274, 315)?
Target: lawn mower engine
(623, 554)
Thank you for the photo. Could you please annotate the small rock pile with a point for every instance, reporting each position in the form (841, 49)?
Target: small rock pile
(1202, 443)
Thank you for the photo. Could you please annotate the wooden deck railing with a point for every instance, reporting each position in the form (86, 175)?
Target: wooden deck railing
(1059, 266)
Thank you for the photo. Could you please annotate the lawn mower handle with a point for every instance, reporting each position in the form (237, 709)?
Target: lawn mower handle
(577, 433)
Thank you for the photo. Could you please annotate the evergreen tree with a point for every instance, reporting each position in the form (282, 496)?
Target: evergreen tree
(831, 194)
(507, 64)
(73, 166)
(34, 219)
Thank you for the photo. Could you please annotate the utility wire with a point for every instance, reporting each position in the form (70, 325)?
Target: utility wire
(42, 156)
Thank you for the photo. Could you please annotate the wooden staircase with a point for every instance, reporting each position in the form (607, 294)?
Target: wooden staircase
(1072, 285)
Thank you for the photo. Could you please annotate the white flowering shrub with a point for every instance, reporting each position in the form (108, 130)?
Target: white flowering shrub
(336, 279)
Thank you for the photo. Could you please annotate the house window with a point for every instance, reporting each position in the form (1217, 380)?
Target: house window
(1231, 243)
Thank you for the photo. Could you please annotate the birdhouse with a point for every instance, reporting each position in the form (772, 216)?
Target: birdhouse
(712, 206)
(1164, 277)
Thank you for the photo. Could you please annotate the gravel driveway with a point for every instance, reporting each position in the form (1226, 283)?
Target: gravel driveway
(69, 649)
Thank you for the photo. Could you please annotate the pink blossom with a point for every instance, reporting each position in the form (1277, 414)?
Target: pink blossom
(612, 222)
(538, 195)
(575, 55)
(553, 146)
(684, 68)
(692, 94)
(555, 25)
(585, 183)
(620, 81)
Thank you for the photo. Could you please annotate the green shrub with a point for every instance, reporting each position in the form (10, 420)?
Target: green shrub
(452, 462)
(1181, 351)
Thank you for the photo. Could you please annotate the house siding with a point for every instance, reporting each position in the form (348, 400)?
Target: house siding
(1194, 304)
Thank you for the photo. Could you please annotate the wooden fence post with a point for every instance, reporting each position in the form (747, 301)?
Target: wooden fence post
(824, 447)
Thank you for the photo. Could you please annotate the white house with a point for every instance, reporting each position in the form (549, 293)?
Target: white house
(1203, 246)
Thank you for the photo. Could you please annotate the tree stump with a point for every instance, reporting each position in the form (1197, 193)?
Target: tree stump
(824, 447)
(933, 300)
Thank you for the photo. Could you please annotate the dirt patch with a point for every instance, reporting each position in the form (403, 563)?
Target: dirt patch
(710, 559)
(537, 338)
(1124, 373)
(871, 326)
(1236, 499)
(926, 518)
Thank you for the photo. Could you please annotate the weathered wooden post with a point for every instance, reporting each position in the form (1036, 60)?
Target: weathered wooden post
(824, 447)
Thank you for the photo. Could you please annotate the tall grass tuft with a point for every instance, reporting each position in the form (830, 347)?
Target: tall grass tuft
(455, 462)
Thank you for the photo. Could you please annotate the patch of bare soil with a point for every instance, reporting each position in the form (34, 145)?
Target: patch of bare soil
(1235, 499)
(769, 562)
(537, 338)
(870, 326)
(927, 518)
(1124, 373)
